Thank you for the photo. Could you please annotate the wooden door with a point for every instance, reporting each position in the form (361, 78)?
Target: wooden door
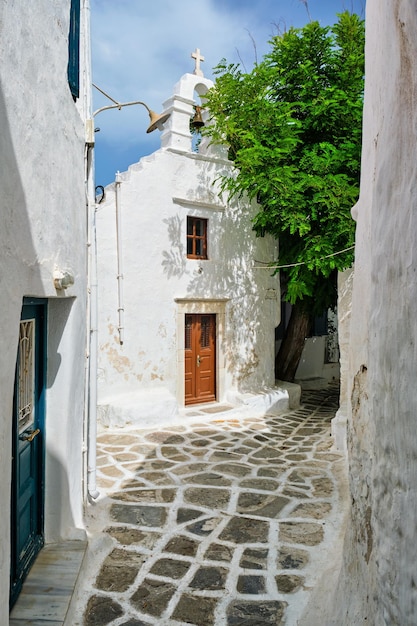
(27, 536)
(200, 358)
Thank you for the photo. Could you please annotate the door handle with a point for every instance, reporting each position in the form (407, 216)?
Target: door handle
(198, 360)
(31, 436)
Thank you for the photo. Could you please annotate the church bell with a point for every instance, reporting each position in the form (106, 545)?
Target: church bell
(197, 121)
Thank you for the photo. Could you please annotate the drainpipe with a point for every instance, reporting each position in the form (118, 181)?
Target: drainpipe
(90, 419)
(120, 307)
(93, 331)
(92, 431)
(86, 426)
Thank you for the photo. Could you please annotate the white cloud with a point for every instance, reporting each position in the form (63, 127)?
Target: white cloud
(141, 49)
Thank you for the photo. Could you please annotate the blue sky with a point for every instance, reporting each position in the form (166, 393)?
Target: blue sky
(140, 49)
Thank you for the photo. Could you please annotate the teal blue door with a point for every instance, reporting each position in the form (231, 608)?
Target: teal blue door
(27, 536)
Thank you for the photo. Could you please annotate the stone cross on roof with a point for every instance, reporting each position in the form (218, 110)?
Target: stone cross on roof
(198, 57)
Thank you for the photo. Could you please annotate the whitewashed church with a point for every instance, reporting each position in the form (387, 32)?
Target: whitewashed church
(187, 308)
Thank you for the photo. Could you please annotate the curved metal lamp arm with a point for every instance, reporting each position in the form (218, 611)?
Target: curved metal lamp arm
(120, 105)
(156, 120)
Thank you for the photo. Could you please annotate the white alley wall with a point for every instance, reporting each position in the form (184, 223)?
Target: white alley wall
(378, 584)
(42, 209)
(145, 374)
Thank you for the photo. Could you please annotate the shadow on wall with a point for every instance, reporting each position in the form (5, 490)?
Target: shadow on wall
(174, 259)
(58, 510)
(231, 258)
(59, 310)
(17, 271)
(17, 251)
(60, 505)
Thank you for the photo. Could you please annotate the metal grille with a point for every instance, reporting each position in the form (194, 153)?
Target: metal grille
(26, 375)
(205, 331)
(188, 328)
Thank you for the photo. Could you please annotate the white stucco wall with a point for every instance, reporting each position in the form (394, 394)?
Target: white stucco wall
(161, 284)
(320, 360)
(378, 580)
(344, 309)
(42, 209)
(313, 363)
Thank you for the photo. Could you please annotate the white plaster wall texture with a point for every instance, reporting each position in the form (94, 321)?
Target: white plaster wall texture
(344, 308)
(378, 580)
(313, 359)
(156, 195)
(42, 209)
(313, 369)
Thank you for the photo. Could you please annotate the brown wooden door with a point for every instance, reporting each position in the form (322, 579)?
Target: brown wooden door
(200, 358)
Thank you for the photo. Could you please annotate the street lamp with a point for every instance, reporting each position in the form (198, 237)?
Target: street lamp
(156, 121)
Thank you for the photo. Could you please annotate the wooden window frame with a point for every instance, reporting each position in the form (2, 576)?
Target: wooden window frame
(193, 237)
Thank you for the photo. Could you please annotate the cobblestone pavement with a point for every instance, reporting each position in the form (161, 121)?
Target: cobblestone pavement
(226, 520)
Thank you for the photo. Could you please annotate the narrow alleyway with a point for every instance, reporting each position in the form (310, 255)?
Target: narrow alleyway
(226, 520)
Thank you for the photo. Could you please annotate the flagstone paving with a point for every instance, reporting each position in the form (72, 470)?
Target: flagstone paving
(222, 521)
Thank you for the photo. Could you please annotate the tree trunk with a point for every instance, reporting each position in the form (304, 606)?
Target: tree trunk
(289, 355)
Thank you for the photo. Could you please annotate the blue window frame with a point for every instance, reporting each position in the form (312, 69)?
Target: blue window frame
(74, 49)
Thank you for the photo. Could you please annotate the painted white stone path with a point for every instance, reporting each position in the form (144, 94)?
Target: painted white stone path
(228, 520)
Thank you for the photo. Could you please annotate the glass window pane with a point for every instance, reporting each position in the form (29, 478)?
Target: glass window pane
(196, 237)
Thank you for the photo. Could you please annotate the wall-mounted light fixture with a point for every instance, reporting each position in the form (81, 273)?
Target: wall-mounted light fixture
(156, 120)
(63, 280)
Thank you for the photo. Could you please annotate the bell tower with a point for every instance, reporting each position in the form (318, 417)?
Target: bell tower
(181, 105)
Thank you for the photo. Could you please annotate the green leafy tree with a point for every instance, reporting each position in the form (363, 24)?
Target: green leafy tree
(293, 127)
